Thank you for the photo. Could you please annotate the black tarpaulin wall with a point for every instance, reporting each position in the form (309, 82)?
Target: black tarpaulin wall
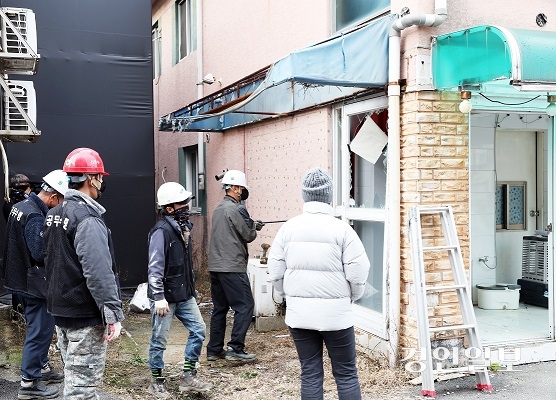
(94, 89)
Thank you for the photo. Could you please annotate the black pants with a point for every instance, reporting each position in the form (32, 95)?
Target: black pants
(341, 350)
(230, 289)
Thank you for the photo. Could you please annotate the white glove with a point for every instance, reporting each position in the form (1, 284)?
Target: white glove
(115, 330)
(161, 307)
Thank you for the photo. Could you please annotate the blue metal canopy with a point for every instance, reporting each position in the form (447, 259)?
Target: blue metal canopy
(338, 67)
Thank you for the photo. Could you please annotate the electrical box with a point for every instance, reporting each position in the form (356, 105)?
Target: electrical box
(268, 303)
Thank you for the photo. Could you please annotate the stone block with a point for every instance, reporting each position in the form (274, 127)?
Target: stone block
(273, 323)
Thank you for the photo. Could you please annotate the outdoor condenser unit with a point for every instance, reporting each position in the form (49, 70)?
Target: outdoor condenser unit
(24, 21)
(268, 303)
(12, 120)
(18, 56)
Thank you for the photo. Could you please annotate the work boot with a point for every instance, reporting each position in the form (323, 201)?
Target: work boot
(232, 355)
(49, 375)
(35, 389)
(190, 383)
(216, 357)
(158, 389)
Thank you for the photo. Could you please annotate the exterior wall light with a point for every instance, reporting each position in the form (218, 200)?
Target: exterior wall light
(209, 79)
(465, 106)
(551, 108)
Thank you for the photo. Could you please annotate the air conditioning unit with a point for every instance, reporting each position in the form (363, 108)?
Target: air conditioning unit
(24, 92)
(18, 48)
(24, 21)
(269, 307)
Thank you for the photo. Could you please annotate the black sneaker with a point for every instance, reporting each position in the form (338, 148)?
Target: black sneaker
(241, 355)
(216, 357)
(37, 390)
(50, 375)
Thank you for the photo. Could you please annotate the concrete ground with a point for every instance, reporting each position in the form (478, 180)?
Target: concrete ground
(526, 382)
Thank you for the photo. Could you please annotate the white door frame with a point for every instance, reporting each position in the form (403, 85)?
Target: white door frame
(365, 319)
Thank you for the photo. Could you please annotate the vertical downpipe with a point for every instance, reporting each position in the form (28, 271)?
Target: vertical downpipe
(200, 94)
(394, 203)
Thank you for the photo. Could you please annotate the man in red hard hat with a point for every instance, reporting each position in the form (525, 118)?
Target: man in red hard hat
(83, 288)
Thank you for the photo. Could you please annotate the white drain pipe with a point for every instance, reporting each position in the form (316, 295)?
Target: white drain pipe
(393, 212)
(201, 184)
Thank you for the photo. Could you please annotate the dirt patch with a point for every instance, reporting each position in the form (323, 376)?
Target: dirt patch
(275, 375)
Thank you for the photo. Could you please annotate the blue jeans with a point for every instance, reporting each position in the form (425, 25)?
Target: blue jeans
(341, 350)
(190, 316)
(40, 327)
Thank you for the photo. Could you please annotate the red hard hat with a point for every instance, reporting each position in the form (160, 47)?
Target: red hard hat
(84, 161)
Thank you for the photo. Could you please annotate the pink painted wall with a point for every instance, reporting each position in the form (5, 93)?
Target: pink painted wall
(274, 155)
(239, 38)
(243, 36)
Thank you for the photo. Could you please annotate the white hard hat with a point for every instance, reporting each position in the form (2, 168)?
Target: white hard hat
(171, 193)
(235, 177)
(56, 180)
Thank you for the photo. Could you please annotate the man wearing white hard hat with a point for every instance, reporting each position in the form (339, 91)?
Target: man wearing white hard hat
(24, 273)
(171, 290)
(232, 229)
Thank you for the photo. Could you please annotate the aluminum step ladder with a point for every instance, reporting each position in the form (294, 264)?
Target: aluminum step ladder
(450, 248)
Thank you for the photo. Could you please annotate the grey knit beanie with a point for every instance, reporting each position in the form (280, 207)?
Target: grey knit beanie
(317, 186)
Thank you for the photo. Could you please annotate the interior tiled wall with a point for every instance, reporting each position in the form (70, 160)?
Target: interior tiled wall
(482, 183)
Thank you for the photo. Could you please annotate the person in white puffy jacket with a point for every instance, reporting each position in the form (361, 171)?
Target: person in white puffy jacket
(320, 265)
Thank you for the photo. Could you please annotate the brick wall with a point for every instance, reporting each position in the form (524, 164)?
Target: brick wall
(434, 171)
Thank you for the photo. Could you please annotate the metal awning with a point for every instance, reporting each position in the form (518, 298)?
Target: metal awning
(339, 67)
(525, 58)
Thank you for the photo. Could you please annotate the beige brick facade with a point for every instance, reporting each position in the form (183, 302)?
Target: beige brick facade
(434, 172)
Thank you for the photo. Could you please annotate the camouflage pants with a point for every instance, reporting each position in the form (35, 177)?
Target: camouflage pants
(84, 355)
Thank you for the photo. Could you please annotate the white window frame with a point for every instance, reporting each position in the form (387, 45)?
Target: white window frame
(188, 173)
(187, 30)
(366, 319)
(361, 20)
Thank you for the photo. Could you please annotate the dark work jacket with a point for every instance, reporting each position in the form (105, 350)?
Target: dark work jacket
(20, 272)
(178, 278)
(80, 294)
(229, 237)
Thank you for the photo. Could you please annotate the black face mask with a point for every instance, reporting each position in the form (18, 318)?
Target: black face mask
(181, 216)
(244, 194)
(101, 190)
(17, 195)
